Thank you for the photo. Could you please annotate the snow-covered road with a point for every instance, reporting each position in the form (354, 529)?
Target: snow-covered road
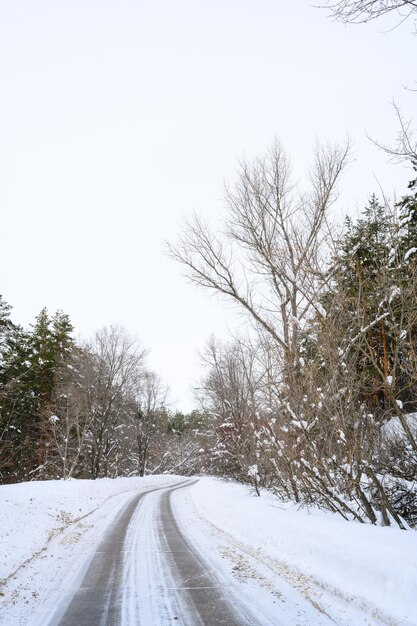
(145, 572)
(164, 550)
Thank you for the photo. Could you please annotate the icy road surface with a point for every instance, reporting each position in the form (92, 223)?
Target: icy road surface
(166, 550)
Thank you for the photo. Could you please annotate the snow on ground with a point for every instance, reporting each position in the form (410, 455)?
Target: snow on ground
(50, 528)
(358, 573)
(372, 568)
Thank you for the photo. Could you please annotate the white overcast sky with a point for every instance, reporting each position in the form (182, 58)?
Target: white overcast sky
(119, 118)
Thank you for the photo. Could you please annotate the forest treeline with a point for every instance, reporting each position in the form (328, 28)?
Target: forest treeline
(85, 410)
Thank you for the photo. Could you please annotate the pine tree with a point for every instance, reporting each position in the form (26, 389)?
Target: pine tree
(51, 349)
(5, 329)
(359, 302)
(407, 236)
(18, 401)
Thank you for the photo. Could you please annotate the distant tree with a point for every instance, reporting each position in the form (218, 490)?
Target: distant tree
(149, 412)
(231, 391)
(184, 444)
(118, 367)
(177, 423)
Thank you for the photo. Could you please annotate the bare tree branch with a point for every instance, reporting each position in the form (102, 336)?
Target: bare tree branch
(361, 11)
(405, 148)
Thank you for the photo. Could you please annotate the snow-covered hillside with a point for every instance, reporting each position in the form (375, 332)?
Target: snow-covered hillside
(354, 572)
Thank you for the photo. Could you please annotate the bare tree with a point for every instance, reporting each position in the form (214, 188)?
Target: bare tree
(229, 392)
(119, 367)
(150, 405)
(270, 259)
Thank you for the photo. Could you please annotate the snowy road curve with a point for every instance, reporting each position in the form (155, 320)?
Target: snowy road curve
(164, 550)
(145, 572)
(159, 563)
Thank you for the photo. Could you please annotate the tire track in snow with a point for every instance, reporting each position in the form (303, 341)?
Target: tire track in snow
(97, 601)
(144, 596)
(202, 590)
(165, 581)
(145, 573)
